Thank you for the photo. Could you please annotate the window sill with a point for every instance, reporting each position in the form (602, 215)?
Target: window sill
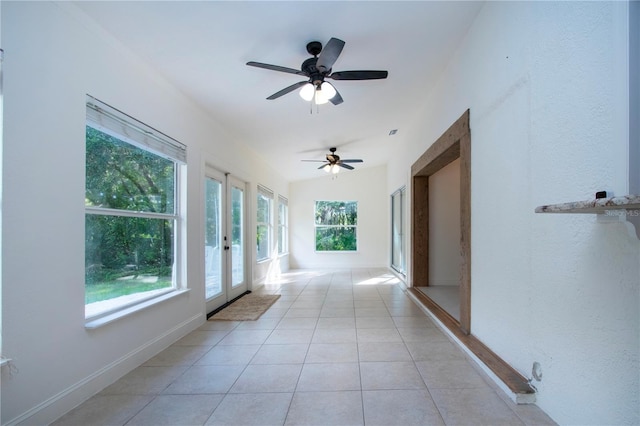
(94, 323)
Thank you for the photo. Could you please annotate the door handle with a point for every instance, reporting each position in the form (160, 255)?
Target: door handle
(226, 247)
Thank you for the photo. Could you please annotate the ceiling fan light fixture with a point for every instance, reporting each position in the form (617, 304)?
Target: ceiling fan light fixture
(328, 91)
(320, 94)
(335, 169)
(327, 168)
(307, 92)
(320, 98)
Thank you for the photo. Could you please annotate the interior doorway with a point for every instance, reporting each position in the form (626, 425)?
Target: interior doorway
(450, 301)
(444, 239)
(454, 144)
(225, 238)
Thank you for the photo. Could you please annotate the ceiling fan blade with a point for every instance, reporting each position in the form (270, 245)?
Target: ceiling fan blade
(337, 99)
(275, 68)
(359, 75)
(346, 166)
(352, 161)
(329, 54)
(323, 166)
(287, 90)
(314, 161)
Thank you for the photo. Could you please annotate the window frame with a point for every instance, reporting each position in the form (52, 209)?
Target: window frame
(402, 193)
(283, 225)
(126, 129)
(316, 226)
(268, 195)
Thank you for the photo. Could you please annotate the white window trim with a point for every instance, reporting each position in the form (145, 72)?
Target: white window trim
(267, 193)
(126, 128)
(127, 310)
(283, 228)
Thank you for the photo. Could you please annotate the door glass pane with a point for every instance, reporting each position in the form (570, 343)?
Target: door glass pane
(237, 236)
(213, 238)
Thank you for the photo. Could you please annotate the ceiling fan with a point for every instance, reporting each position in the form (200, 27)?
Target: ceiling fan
(318, 68)
(333, 162)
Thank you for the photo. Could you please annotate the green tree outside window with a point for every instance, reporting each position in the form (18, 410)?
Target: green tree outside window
(126, 252)
(335, 225)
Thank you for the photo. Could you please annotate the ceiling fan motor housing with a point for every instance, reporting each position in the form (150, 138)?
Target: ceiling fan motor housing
(333, 157)
(309, 67)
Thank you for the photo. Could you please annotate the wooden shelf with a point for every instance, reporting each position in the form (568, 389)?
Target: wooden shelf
(597, 206)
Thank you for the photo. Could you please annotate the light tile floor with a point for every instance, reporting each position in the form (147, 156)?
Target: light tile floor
(338, 348)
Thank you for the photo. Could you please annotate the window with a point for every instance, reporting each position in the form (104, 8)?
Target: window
(283, 225)
(2, 360)
(397, 230)
(131, 211)
(335, 225)
(264, 225)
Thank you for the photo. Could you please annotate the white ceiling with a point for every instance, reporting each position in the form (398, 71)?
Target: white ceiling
(202, 48)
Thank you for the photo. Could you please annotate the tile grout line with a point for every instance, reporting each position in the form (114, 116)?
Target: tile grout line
(358, 352)
(293, 394)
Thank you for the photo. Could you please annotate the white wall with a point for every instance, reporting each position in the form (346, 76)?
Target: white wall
(368, 187)
(54, 57)
(546, 84)
(444, 226)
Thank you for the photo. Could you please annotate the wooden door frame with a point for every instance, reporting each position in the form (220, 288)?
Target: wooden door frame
(453, 144)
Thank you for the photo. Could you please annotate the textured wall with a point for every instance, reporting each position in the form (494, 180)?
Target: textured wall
(547, 87)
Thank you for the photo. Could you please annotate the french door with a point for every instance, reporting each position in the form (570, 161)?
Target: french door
(225, 239)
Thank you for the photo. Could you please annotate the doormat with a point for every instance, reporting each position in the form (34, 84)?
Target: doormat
(247, 308)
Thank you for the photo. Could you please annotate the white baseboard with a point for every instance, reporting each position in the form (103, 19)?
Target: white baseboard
(517, 398)
(51, 409)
